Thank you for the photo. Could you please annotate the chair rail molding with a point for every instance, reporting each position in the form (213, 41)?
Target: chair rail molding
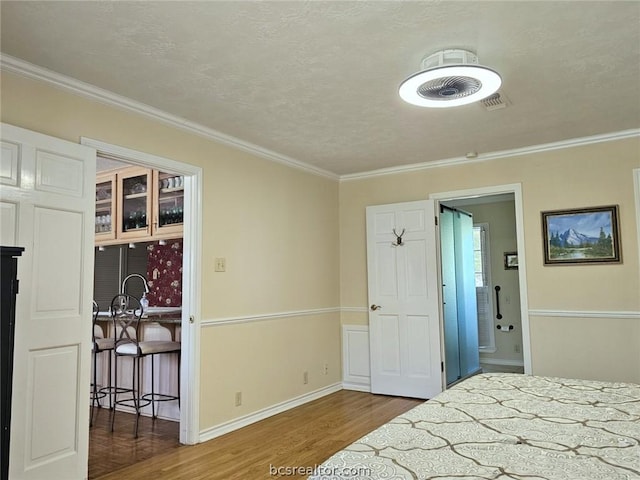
(217, 322)
(585, 313)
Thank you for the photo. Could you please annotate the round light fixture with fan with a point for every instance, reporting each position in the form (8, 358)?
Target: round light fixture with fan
(449, 78)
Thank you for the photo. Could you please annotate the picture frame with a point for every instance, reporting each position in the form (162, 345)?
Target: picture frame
(581, 236)
(510, 260)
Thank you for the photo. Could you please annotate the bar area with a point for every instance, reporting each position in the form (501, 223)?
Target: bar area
(138, 260)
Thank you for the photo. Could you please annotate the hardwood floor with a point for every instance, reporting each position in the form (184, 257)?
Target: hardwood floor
(302, 437)
(109, 452)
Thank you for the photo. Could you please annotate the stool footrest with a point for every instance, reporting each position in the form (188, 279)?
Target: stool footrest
(159, 397)
(133, 402)
(113, 389)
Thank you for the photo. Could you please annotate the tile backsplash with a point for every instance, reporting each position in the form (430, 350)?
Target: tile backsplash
(164, 273)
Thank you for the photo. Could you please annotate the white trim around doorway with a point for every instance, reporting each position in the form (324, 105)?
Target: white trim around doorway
(636, 191)
(516, 190)
(191, 276)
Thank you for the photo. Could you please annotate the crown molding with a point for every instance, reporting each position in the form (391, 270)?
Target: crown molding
(545, 147)
(20, 67)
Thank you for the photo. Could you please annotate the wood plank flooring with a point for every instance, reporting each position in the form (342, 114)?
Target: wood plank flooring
(302, 437)
(109, 452)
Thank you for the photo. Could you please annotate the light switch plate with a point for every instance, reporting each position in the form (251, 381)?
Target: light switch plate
(220, 264)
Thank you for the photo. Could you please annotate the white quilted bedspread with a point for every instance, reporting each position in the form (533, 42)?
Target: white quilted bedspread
(504, 426)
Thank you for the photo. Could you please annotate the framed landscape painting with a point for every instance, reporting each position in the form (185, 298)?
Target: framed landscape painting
(581, 236)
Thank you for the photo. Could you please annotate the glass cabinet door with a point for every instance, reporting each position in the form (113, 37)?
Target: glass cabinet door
(105, 207)
(134, 190)
(168, 204)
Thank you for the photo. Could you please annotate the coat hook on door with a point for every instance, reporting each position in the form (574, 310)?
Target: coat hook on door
(398, 242)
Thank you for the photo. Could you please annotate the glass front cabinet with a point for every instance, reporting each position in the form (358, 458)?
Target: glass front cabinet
(168, 202)
(134, 194)
(138, 204)
(105, 207)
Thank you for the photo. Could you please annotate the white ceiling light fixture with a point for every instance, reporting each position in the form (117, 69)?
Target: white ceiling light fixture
(450, 78)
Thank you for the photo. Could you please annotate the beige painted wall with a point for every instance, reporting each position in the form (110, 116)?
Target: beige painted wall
(275, 351)
(276, 226)
(599, 348)
(590, 175)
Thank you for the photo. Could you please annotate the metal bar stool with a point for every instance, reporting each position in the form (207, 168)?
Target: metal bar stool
(126, 313)
(100, 345)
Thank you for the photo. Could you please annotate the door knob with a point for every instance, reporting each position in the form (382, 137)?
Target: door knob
(375, 307)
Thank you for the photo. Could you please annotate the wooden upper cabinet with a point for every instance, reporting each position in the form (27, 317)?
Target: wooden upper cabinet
(168, 203)
(138, 204)
(106, 188)
(134, 203)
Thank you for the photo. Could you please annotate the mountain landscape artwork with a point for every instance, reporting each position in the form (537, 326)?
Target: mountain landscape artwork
(581, 236)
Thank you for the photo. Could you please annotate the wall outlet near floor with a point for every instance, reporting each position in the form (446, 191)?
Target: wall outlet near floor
(325, 370)
(238, 399)
(305, 377)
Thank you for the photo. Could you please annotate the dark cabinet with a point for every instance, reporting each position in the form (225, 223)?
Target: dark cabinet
(8, 274)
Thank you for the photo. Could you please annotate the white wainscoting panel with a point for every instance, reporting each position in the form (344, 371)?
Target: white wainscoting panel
(355, 358)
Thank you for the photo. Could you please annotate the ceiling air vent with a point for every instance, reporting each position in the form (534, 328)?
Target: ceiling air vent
(496, 101)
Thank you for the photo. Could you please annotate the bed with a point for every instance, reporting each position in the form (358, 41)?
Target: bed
(504, 426)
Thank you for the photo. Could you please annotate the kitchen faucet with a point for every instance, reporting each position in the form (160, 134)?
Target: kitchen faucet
(144, 302)
(144, 282)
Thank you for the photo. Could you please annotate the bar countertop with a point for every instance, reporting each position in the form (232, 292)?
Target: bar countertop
(154, 314)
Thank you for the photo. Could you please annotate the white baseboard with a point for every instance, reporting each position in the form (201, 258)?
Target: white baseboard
(237, 423)
(358, 387)
(503, 362)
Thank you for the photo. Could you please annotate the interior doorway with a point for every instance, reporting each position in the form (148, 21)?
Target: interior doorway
(499, 275)
(191, 264)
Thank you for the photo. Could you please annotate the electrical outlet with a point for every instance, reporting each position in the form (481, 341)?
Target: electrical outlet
(305, 377)
(220, 264)
(516, 348)
(238, 399)
(326, 369)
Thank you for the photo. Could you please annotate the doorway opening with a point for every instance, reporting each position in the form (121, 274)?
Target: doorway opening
(112, 156)
(495, 281)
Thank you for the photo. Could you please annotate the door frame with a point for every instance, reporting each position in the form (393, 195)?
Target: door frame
(516, 190)
(191, 276)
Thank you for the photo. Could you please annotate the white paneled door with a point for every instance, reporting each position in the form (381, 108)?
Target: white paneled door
(404, 322)
(47, 197)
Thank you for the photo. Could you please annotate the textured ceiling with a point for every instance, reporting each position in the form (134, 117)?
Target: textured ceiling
(317, 81)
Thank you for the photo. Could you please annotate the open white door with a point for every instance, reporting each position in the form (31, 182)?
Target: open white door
(47, 199)
(404, 322)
